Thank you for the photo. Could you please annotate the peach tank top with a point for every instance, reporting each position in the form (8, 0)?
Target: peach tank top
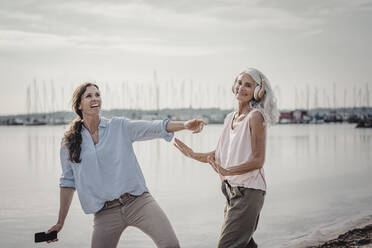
(234, 148)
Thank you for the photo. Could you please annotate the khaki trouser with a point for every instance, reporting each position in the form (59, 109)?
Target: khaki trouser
(143, 212)
(242, 211)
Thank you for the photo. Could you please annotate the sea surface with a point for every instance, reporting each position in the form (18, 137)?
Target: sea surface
(319, 179)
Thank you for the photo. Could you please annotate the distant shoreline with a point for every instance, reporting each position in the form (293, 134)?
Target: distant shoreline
(360, 115)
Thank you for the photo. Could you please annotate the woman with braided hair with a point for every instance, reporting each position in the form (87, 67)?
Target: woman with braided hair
(239, 157)
(98, 161)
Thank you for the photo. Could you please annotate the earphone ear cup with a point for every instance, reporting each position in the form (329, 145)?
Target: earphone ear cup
(256, 92)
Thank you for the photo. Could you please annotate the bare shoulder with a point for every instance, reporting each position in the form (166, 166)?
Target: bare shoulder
(256, 118)
(257, 123)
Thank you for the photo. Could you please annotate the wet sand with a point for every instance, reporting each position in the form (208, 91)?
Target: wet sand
(352, 233)
(358, 237)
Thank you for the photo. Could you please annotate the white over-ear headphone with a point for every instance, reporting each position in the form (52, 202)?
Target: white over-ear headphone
(259, 91)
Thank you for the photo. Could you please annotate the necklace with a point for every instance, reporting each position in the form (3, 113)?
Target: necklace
(240, 117)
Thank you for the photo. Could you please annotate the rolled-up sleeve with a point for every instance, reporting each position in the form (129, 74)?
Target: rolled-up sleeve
(146, 130)
(67, 177)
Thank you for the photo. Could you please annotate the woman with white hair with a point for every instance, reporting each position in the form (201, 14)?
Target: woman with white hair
(239, 157)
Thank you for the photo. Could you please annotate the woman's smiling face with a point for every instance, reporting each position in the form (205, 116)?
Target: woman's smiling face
(244, 87)
(91, 102)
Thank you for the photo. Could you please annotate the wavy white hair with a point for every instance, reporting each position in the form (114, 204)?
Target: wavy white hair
(267, 104)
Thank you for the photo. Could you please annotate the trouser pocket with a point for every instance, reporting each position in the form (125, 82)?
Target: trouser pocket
(231, 193)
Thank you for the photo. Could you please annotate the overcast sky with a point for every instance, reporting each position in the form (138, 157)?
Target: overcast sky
(318, 43)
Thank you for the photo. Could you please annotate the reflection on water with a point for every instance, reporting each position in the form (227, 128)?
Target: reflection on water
(43, 148)
(317, 176)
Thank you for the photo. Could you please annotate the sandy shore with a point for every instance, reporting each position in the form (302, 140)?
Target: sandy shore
(352, 233)
(359, 237)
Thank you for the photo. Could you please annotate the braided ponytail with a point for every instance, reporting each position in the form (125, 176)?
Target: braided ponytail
(73, 137)
(73, 140)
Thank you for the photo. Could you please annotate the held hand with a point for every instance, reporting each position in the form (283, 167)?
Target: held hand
(57, 227)
(187, 151)
(195, 125)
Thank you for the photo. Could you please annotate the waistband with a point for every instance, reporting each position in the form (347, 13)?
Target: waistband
(121, 201)
(225, 182)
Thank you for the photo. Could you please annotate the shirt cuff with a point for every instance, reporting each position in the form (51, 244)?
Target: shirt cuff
(168, 136)
(63, 183)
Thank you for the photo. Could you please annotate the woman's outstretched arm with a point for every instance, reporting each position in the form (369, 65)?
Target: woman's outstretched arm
(146, 130)
(194, 125)
(187, 151)
(65, 199)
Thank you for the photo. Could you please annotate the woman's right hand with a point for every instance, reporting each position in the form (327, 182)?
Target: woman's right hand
(57, 227)
(187, 151)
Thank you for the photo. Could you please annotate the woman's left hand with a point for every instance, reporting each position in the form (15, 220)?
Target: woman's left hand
(216, 166)
(195, 125)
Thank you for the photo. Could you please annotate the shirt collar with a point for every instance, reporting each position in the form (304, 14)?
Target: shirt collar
(102, 123)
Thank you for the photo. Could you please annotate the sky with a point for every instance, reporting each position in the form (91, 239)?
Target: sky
(194, 47)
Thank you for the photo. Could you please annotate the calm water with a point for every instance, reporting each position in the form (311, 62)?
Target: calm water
(319, 179)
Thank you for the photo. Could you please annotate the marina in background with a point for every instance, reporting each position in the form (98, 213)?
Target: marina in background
(47, 104)
(362, 117)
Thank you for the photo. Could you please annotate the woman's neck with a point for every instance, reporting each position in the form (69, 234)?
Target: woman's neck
(91, 122)
(243, 108)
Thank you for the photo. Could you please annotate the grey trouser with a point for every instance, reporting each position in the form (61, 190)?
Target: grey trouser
(142, 212)
(242, 211)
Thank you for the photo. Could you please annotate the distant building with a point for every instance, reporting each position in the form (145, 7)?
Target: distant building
(286, 117)
(296, 116)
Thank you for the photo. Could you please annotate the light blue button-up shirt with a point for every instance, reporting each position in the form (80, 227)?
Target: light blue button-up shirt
(110, 168)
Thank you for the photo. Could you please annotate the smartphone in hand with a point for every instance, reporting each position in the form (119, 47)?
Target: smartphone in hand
(42, 236)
